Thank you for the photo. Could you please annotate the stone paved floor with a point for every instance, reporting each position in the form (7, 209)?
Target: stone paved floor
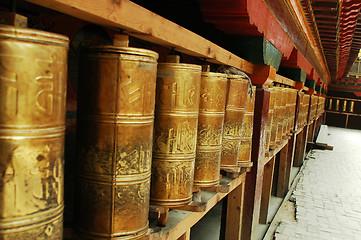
(328, 194)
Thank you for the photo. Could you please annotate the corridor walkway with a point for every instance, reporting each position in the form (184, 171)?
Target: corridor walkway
(328, 194)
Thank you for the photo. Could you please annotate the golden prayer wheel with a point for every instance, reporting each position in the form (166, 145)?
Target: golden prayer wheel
(213, 93)
(281, 115)
(292, 108)
(344, 105)
(285, 117)
(115, 135)
(32, 127)
(306, 104)
(175, 133)
(351, 106)
(244, 157)
(233, 120)
(270, 118)
(275, 136)
(330, 104)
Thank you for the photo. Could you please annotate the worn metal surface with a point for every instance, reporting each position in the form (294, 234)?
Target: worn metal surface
(233, 122)
(276, 131)
(293, 101)
(213, 94)
(271, 120)
(115, 135)
(175, 133)
(244, 158)
(284, 113)
(32, 124)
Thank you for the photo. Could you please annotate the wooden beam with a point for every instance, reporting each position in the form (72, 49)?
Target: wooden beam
(234, 213)
(186, 235)
(144, 24)
(266, 189)
(285, 81)
(263, 75)
(299, 148)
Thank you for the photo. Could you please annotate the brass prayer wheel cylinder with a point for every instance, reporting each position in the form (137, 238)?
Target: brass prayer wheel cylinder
(281, 115)
(275, 136)
(270, 118)
(300, 109)
(285, 114)
(306, 105)
(32, 128)
(351, 106)
(233, 121)
(213, 94)
(343, 106)
(292, 108)
(330, 104)
(175, 133)
(115, 136)
(244, 157)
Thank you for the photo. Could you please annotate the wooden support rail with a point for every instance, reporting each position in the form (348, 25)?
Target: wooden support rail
(179, 222)
(144, 24)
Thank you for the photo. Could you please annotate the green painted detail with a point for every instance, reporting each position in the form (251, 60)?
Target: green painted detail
(255, 49)
(318, 88)
(310, 83)
(271, 56)
(295, 74)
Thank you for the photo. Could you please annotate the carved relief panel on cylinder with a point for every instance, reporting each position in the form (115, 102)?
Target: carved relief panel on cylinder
(213, 93)
(233, 120)
(175, 133)
(33, 73)
(115, 136)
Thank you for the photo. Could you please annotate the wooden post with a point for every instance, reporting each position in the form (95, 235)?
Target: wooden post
(267, 189)
(186, 235)
(254, 179)
(234, 213)
(284, 171)
(299, 149)
(305, 136)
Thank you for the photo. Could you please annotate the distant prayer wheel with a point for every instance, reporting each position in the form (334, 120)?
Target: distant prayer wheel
(351, 106)
(175, 133)
(275, 136)
(270, 119)
(343, 105)
(233, 122)
(213, 94)
(115, 136)
(281, 114)
(285, 117)
(330, 104)
(306, 105)
(292, 108)
(244, 157)
(32, 122)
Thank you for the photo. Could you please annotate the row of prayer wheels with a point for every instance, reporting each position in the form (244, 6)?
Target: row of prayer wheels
(146, 133)
(303, 112)
(320, 106)
(313, 107)
(126, 164)
(281, 115)
(343, 105)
